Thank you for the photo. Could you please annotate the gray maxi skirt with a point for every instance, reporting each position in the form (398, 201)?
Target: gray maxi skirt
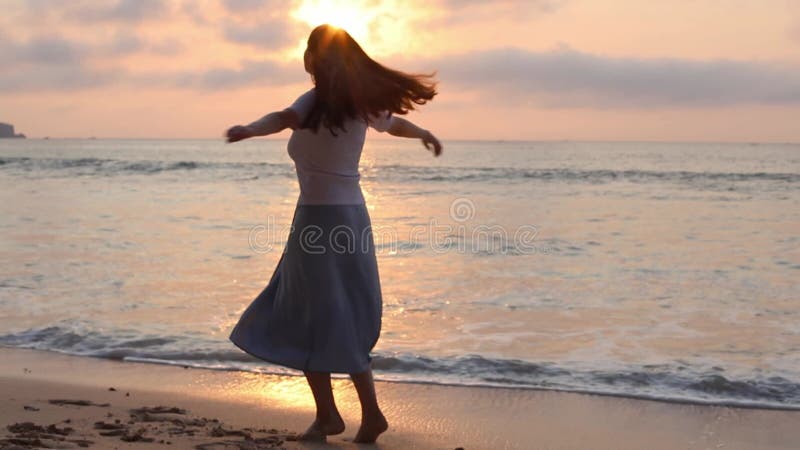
(321, 310)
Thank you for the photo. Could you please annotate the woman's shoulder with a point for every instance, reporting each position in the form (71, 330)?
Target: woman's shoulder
(380, 121)
(303, 105)
(307, 96)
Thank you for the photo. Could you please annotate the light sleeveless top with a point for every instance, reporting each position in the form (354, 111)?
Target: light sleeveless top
(327, 165)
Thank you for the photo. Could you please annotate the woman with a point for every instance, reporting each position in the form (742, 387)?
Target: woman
(321, 310)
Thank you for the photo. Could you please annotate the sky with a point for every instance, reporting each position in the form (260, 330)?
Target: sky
(678, 70)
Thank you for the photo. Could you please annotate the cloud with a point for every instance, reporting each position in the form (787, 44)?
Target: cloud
(247, 6)
(54, 63)
(167, 47)
(272, 34)
(518, 5)
(62, 78)
(121, 10)
(250, 73)
(53, 49)
(76, 76)
(559, 78)
(47, 63)
(123, 44)
(569, 78)
(465, 11)
(50, 50)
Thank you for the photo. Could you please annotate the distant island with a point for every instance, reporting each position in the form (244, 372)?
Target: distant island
(7, 131)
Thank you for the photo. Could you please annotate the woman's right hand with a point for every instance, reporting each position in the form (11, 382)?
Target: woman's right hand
(238, 133)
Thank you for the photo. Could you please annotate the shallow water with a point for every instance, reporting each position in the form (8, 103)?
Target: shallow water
(643, 269)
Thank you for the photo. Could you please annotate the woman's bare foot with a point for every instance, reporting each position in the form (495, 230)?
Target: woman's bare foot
(371, 428)
(320, 429)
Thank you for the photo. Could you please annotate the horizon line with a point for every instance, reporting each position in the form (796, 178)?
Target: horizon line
(493, 140)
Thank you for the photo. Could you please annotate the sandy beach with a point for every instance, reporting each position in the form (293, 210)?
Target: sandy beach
(99, 403)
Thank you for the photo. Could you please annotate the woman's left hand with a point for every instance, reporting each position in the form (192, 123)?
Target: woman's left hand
(430, 141)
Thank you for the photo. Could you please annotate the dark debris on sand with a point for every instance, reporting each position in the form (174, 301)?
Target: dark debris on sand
(146, 424)
(158, 410)
(166, 421)
(26, 435)
(62, 402)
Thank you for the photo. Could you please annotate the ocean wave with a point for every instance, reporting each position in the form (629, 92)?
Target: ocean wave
(674, 381)
(256, 170)
(424, 173)
(113, 167)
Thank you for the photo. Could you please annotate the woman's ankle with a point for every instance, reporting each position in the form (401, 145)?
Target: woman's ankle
(371, 415)
(329, 416)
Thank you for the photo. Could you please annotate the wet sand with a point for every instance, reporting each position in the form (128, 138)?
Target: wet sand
(59, 401)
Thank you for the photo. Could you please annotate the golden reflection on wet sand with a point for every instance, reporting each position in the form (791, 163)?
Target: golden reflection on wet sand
(290, 392)
(285, 392)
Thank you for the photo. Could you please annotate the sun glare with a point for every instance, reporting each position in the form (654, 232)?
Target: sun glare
(381, 27)
(353, 16)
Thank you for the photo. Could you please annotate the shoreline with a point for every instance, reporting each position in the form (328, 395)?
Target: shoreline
(741, 404)
(421, 415)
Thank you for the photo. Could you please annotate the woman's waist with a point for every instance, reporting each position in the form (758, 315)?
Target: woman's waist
(328, 188)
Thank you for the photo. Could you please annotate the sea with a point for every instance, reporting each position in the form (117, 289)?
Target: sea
(666, 271)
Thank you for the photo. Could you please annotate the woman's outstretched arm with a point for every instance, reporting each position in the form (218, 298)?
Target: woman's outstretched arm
(269, 124)
(404, 128)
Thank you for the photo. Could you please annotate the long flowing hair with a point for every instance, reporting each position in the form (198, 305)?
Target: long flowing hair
(350, 84)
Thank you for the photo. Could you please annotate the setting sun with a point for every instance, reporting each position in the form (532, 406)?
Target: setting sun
(353, 16)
